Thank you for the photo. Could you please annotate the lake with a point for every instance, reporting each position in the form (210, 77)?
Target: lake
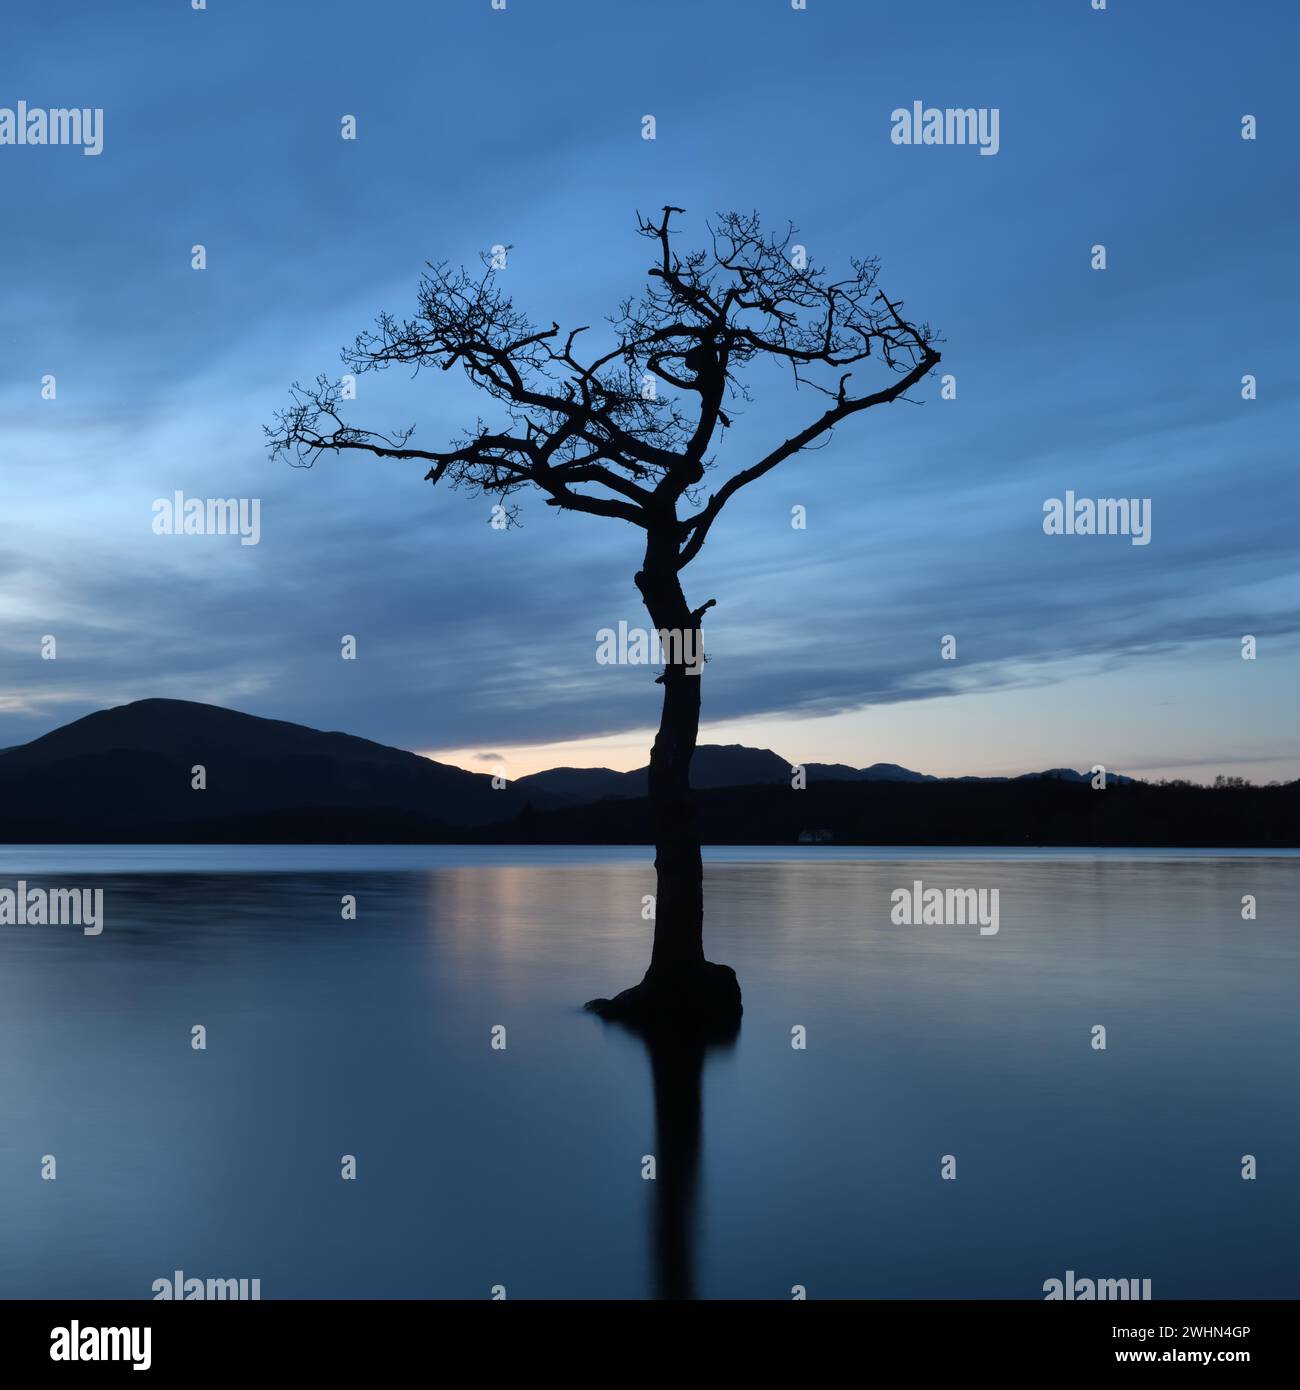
(522, 1166)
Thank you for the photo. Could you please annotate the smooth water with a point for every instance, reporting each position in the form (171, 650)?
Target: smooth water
(523, 1167)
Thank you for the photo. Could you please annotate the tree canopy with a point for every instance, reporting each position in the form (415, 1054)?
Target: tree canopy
(599, 433)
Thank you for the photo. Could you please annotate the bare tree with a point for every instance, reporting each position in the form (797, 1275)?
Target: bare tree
(627, 433)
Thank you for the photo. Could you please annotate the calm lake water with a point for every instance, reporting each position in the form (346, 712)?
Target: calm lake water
(479, 1167)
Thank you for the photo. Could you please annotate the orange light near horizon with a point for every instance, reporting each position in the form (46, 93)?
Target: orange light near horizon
(620, 752)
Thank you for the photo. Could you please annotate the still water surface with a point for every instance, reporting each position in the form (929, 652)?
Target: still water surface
(479, 1167)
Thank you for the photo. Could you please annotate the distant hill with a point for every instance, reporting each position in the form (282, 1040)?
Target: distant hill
(734, 765)
(124, 775)
(577, 784)
(714, 765)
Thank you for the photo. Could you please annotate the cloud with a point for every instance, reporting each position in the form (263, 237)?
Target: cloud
(923, 521)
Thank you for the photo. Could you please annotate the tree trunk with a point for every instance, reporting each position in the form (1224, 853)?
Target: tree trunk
(679, 900)
(681, 990)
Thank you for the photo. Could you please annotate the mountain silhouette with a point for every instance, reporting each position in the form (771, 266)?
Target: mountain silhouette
(130, 770)
(714, 765)
(127, 775)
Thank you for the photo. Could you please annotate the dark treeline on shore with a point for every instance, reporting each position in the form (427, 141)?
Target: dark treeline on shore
(1040, 812)
(1049, 813)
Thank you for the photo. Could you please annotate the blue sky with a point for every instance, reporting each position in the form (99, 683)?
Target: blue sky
(477, 127)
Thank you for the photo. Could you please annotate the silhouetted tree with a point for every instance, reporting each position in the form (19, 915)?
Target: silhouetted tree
(627, 433)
